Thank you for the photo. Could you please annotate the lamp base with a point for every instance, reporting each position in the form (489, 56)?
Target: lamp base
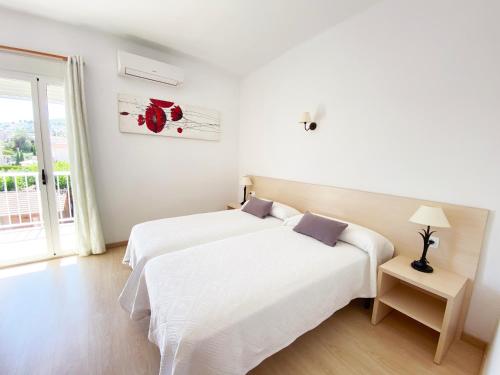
(244, 196)
(422, 266)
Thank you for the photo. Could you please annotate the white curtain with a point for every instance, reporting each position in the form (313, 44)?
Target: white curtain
(87, 222)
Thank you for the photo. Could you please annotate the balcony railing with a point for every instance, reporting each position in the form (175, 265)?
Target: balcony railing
(20, 200)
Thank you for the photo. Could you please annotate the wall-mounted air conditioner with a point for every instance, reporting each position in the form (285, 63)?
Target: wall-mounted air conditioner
(131, 65)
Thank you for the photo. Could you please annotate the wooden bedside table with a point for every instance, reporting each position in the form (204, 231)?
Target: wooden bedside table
(434, 299)
(233, 206)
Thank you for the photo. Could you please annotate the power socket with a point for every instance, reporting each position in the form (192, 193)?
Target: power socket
(435, 245)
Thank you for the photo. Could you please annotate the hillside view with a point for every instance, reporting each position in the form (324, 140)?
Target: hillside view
(17, 143)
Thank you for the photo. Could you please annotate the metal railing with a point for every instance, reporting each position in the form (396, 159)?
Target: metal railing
(64, 196)
(20, 199)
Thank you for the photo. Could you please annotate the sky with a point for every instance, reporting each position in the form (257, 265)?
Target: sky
(18, 109)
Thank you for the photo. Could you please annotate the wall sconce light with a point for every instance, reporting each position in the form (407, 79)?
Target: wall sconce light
(305, 118)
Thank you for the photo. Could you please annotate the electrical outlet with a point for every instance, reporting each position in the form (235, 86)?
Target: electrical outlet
(435, 245)
(252, 193)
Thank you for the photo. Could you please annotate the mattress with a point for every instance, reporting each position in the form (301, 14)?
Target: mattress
(223, 307)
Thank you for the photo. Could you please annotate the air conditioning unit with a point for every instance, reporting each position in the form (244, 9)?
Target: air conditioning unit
(131, 65)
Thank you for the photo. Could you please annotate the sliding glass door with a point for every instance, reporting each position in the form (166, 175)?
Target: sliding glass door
(36, 201)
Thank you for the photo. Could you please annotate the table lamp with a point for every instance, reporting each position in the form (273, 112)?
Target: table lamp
(245, 181)
(430, 216)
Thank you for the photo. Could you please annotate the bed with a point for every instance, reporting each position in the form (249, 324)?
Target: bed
(153, 238)
(223, 307)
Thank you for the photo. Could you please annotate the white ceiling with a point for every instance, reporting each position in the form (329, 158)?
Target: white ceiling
(238, 35)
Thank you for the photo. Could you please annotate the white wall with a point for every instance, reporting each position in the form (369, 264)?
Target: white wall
(407, 100)
(492, 359)
(140, 177)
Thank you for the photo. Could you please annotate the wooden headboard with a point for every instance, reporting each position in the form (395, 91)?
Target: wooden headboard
(459, 247)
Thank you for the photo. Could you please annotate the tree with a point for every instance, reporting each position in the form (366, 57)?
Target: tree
(27, 146)
(19, 139)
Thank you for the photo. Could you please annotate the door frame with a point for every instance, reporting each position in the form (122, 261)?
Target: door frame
(42, 83)
(47, 191)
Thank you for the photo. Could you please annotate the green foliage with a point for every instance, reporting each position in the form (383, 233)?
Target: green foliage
(19, 146)
(18, 168)
(19, 157)
(20, 141)
(27, 147)
(30, 182)
(60, 165)
(22, 183)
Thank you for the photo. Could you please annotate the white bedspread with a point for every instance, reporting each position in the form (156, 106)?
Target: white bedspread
(223, 307)
(153, 238)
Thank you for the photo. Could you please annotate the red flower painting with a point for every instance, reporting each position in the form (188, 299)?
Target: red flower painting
(160, 116)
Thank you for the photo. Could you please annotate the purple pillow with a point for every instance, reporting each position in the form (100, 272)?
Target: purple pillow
(258, 207)
(320, 228)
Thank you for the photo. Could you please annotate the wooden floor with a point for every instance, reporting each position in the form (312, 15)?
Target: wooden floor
(62, 317)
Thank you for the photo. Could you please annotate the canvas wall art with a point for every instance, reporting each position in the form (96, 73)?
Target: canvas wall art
(155, 116)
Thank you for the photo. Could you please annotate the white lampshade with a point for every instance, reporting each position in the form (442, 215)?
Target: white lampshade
(305, 117)
(245, 181)
(431, 216)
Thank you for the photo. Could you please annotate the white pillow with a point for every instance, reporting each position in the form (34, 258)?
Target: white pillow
(293, 220)
(359, 236)
(280, 210)
(368, 240)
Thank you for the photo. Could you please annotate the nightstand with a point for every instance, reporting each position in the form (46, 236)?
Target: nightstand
(233, 206)
(434, 299)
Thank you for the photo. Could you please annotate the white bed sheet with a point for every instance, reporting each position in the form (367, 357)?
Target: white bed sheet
(223, 307)
(153, 238)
